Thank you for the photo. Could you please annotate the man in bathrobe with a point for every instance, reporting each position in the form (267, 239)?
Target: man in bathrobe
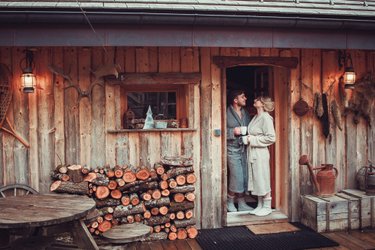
(237, 116)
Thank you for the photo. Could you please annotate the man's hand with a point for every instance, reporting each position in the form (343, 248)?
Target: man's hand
(237, 131)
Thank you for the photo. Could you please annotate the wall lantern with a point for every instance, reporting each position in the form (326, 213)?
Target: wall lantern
(349, 73)
(28, 79)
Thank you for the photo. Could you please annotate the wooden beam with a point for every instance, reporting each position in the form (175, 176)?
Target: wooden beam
(231, 61)
(156, 78)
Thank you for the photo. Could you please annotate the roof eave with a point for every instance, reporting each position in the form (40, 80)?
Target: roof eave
(71, 17)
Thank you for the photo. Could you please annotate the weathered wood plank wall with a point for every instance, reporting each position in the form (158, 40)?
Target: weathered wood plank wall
(57, 126)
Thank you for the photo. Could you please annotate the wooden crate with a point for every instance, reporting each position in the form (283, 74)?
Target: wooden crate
(366, 207)
(353, 210)
(325, 214)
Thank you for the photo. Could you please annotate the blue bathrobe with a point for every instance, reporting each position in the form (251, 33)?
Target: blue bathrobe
(236, 151)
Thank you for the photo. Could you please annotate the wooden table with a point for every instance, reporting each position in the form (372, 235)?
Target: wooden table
(49, 211)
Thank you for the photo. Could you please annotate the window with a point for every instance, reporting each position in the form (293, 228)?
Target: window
(163, 104)
(167, 101)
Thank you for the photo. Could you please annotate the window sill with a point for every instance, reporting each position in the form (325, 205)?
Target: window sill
(115, 131)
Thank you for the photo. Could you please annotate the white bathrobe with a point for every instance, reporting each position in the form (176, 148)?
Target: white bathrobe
(262, 135)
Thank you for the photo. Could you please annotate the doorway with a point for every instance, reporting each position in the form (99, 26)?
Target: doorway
(255, 81)
(265, 81)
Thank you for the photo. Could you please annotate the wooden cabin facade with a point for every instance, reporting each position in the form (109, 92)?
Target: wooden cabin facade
(62, 126)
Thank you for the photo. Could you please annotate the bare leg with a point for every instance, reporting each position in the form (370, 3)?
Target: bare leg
(230, 193)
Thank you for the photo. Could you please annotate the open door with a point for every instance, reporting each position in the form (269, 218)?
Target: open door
(265, 81)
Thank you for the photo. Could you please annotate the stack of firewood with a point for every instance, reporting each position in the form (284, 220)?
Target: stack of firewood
(162, 197)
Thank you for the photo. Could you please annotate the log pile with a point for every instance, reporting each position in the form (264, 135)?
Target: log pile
(162, 197)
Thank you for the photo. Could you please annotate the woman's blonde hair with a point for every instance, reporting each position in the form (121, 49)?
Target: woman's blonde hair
(269, 105)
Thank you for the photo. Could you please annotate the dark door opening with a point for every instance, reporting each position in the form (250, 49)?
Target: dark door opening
(255, 81)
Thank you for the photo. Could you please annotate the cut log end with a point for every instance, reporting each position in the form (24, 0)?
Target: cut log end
(119, 173)
(192, 232)
(179, 197)
(190, 196)
(191, 178)
(104, 226)
(189, 214)
(61, 169)
(182, 234)
(129, 176)
(143, 174)
(163, 185)
(54, 185)
(116, 194)
(180, 215)
(172, 236)
(147, 214)
(172, 183)
(165, 192)
(102, 192)
(156, 194)
(112, 184)
(146, 196)
(125, 200)
(163, 210)
(181, 180)
(159, 169)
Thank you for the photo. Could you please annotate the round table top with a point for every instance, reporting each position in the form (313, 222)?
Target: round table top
(43, 210)
(126, 233)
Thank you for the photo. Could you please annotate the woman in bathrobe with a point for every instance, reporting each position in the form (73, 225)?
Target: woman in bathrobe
(261, 135)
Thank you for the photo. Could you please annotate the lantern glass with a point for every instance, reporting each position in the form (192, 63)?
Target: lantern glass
(28, 82)
(349, 78)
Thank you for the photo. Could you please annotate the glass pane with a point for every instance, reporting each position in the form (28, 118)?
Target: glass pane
(163, 104)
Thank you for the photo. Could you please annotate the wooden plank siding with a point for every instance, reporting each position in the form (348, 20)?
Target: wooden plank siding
(294, 141)
(57, 126)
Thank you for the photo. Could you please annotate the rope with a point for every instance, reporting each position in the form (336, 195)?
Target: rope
(92, 27)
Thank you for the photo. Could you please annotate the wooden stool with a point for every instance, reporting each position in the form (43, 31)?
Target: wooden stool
(127, 233)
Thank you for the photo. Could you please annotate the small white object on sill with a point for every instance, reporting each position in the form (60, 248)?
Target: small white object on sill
(149, 122)
(161, 124)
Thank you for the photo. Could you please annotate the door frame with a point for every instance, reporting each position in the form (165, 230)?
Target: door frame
(285, 64)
